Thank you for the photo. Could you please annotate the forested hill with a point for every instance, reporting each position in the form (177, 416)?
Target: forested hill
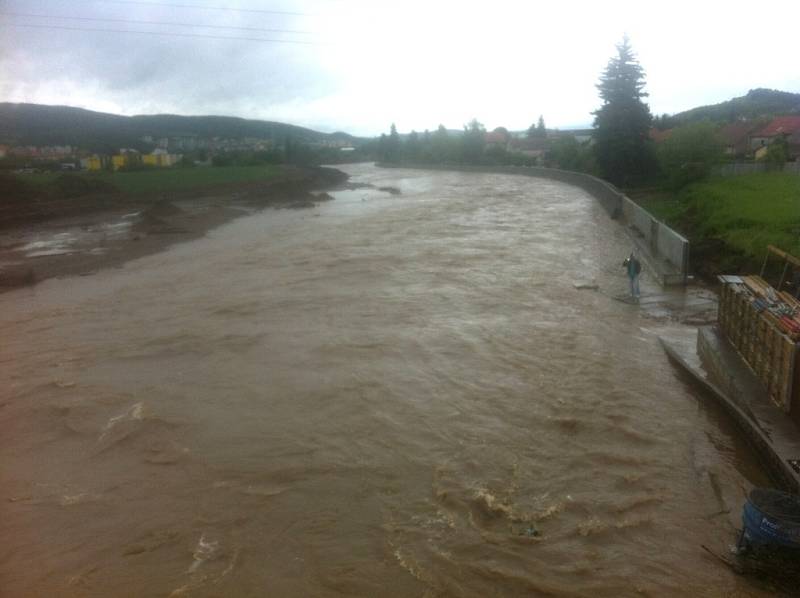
(757, 103)
(35, 124)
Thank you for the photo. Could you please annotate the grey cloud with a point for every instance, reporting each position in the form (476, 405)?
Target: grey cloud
(145, 72)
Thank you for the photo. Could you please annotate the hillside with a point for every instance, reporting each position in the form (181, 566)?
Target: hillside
(756, 104)
(34, 124)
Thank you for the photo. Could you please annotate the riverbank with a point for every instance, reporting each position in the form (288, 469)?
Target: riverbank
(44, 236)
(730, 221)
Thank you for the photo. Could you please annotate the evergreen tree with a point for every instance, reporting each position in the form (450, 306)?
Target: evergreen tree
(393, 145)
(426, 149)
(621, 125)
(541, 130)
(412, 148)
(537, 130)
(473, 141)
(440, 145)
(383, 147)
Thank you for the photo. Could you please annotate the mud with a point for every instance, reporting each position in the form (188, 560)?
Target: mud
(41, 239)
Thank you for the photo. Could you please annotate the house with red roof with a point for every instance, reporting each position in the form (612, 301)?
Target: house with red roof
(497, 138)
(533, 147)
(736, 137)
(786, 127)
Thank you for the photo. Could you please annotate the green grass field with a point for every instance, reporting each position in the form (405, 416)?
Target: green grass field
(747, 212)
(169, 179)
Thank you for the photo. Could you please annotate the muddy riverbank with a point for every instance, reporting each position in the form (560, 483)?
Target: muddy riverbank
(45, 237)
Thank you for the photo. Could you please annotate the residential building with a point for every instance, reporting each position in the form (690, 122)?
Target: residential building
(735, 137)
(126, 159)
(782, 126)
(497, 138)
(533, 147)
(160, 158)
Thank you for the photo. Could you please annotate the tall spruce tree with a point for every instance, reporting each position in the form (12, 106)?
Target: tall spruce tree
(622, 147)
(393, 145)
(541, 130)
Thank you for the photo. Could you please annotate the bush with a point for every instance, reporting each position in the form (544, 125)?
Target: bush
(567, 153)
(690, 153)
(777, 153)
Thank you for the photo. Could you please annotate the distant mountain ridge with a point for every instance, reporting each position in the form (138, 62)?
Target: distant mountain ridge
(37, 124)
(757, 103)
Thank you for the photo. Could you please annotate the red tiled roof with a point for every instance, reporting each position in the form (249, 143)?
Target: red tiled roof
(530, 143)
(496, 137)
(783, 125)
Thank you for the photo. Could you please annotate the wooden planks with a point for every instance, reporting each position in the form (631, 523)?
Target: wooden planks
(782, 254)
(759, 337)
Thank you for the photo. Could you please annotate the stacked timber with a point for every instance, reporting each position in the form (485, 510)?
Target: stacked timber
(764, 326)
(779, 307)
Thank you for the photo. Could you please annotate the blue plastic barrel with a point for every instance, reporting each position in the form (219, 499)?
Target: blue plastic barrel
(772, 518)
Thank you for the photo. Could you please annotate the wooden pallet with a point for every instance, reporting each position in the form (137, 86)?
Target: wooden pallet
(758, 337)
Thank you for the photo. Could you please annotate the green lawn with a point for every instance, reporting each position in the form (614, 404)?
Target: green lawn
(747, 212)
(169, 179)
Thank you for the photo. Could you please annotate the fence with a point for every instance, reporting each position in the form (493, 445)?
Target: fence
(739, 168)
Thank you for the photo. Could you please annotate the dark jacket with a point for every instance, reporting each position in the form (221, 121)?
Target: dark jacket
(633, 266)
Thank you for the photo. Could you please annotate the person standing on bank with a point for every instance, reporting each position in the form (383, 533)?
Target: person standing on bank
(633, 267)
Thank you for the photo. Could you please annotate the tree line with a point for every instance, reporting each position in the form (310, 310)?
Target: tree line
(622, 149)
(468, 146)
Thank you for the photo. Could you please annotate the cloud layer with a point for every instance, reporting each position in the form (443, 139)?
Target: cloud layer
(370, 63)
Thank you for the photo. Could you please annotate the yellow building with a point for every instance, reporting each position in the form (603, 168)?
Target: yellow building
(126, 158)
(161, 159)
(94, 163)
(119, 161)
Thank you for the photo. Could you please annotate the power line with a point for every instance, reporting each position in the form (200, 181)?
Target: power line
(139, 22)
(200, 6)
(165, 34)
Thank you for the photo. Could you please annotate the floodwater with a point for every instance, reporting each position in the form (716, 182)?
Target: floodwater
(394, 395)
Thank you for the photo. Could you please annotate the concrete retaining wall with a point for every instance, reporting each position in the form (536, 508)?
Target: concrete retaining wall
(668, 251)
(660, 240)
(745, 399)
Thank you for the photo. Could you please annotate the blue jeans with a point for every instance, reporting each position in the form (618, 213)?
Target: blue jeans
(634, 280)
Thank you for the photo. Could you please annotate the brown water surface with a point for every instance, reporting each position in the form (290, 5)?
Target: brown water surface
(394, 395)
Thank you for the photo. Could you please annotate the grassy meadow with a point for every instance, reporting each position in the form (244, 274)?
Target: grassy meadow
(168, 179)
(746, 212)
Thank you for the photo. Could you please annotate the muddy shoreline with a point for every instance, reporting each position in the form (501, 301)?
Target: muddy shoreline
(79, 236)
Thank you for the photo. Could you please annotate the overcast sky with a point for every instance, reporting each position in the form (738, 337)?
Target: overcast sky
(368, 63)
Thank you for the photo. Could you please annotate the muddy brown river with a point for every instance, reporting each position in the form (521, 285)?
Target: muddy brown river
(386, 395)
